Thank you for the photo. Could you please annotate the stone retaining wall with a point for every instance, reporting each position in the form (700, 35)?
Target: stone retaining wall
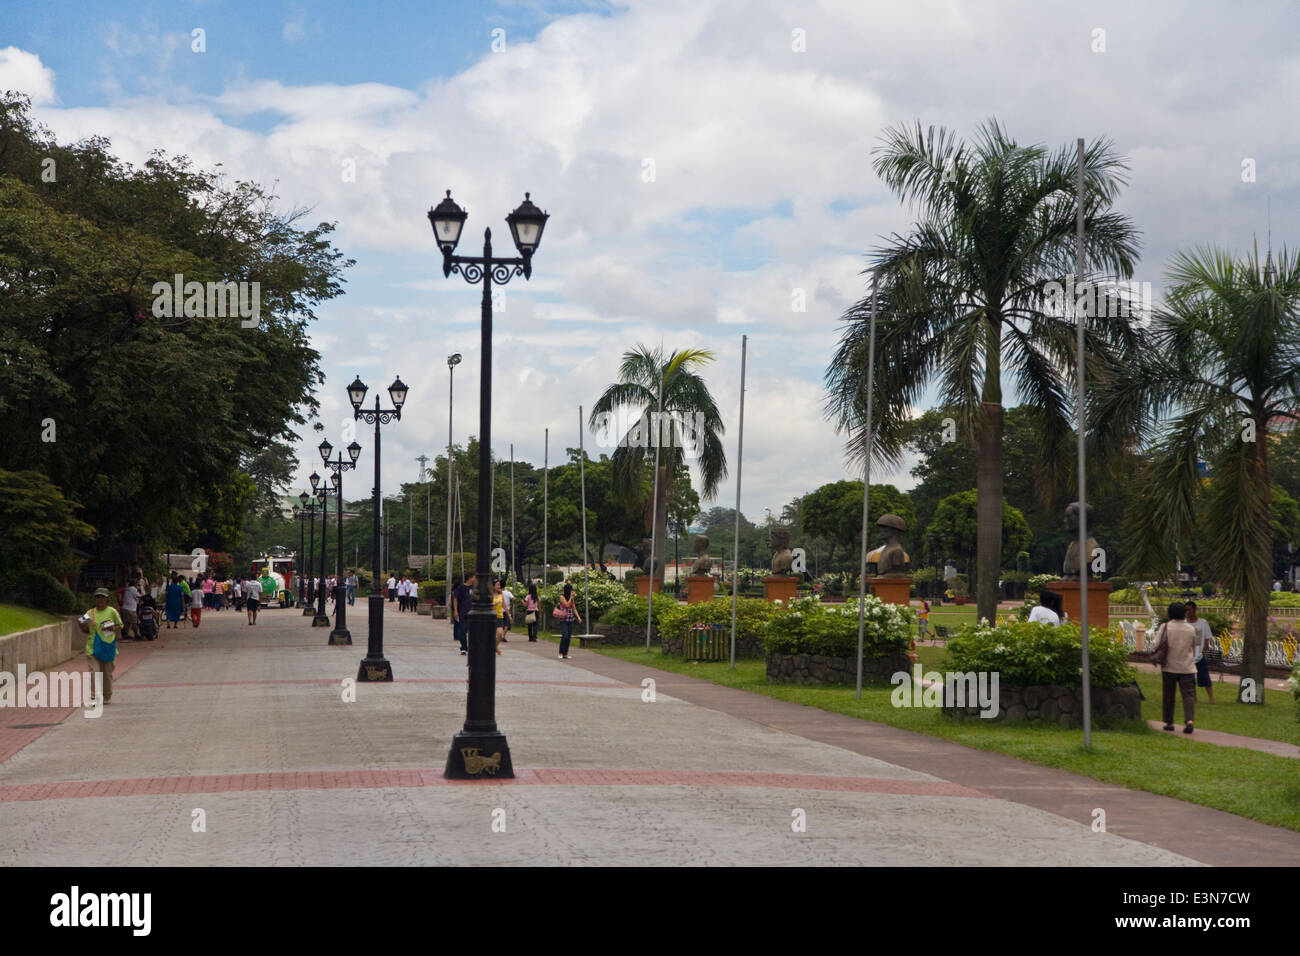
(623, 635)
(1058, 705)
(819, 669)
(41, 647)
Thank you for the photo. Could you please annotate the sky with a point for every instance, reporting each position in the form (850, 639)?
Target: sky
(706, 165)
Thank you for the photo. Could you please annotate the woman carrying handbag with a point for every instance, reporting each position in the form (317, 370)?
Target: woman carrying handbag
(532, 606)
(566, 613)
(1175, 652)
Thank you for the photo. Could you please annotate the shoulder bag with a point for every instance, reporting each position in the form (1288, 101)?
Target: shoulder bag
(1161, 653)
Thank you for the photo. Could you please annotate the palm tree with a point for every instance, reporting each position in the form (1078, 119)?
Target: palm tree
(649, 381)
(1222, 365)
(968, 292)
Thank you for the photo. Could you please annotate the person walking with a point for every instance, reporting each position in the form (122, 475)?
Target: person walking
(1203, 637)
(569, 613)
(208, 587)
(197, 597)
(532, 608)
(507, 602)
(499, 605)
(130, 611)
(237, 592)
(252, 598)
(462, 602)
(1176, 640)
(392, 589)
(351, 583)
(174, 605)
(103, 624)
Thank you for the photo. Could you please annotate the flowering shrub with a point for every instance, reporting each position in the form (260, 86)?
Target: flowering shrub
(809, 627)
(1295, 687)
(1034, 654)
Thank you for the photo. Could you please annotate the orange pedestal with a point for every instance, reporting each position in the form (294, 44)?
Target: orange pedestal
(1098, 601)
(780, 588)
(892, 590)
(699, 587)
(643, 586)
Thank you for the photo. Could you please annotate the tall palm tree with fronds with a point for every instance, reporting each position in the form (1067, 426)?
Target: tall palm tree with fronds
(685, 400)
(1222, 366)
(965, 294)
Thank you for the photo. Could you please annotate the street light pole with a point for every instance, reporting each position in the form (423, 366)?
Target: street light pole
(340, 634)
(428, 531)
(301, 515)
(322, 619)
(310, 610)
(480, 747)
(374, 667)
(452, 361)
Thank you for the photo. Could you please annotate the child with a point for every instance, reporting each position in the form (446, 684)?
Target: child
(923, 618)
(196, 606)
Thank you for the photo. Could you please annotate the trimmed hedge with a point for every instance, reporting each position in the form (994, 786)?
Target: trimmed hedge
(809, 627)
(675, 620)
(1030, 654)
(632, 613)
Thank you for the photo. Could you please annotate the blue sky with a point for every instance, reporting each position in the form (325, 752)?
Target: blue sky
(756, 117)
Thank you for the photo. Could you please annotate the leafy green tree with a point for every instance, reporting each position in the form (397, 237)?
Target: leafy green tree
(957, 521)
(39, 525)
(147, 420)
(650, 382)
(966, 293)
(1221, 365)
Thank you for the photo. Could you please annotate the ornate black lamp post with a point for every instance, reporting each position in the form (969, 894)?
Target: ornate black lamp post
(374, 666)
(322, 619)
(340, 634)
(300, 514)
(309, 609)
(480, 747)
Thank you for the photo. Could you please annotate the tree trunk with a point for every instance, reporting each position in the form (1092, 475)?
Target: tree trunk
(661, 524)
(988, 511)
(1254, 643)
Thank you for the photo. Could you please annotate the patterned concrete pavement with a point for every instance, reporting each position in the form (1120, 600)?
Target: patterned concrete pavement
(246, 730)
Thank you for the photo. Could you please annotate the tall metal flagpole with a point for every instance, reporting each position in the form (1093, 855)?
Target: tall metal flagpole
(866, 480)
(546, 501)
(1084, 556)
(460, 524)
(582, 481)
(428, 530)
(513, 554)
(655, 430)
(451, 384)
(740, 450)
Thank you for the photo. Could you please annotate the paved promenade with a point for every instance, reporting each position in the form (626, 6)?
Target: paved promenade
(246, 730)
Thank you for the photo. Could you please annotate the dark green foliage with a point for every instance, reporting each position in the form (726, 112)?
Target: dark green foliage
(1024, 653)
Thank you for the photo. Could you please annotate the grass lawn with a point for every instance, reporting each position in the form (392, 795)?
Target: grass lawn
(14, 618)
(1258, 786)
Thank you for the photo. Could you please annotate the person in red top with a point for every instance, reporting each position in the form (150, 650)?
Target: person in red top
(532, 611)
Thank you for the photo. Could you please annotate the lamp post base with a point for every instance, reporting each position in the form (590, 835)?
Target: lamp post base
(340, 635)
(321, 620)
(479, 756)
(374, 671)
(308, 610)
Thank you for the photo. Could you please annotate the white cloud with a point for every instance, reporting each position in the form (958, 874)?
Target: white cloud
(23, 71)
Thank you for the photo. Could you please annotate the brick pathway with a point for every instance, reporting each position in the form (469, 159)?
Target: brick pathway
(234, 745)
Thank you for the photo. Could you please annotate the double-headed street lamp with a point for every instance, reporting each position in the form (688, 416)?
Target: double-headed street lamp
(340, 634)
(300, 515)
(480, 747)
(309, 609)
(322, 489)
(374, 666)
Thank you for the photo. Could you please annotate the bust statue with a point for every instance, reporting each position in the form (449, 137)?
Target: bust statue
(1071, 568)
(892, 562)
(703, 563)
(646, 545)
(782, 556)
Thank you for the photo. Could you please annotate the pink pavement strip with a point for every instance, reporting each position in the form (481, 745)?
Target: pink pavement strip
(381, 779)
